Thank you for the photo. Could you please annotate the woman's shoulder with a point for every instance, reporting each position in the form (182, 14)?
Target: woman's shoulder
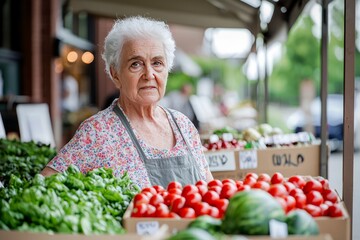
(178, 115)
(103, 117)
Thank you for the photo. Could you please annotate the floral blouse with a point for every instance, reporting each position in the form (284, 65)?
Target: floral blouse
(102, 141)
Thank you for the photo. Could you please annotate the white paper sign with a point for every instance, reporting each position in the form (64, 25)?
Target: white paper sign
(147, 228)
(34, 123)
(248, 159)
(2, 128)
(278, 229)
(221, 161)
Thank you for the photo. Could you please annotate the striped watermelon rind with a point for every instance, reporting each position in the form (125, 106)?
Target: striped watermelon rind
(249, 212)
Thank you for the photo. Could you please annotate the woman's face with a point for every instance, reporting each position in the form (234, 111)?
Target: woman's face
(143, 73)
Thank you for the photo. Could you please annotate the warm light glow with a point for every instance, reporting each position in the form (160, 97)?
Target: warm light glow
(58, 66)
(87, 57)
(72, 56)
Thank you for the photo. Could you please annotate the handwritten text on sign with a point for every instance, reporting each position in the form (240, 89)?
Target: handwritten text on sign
(248, 159)
(221, 161)
(147, 228)
(287, 160)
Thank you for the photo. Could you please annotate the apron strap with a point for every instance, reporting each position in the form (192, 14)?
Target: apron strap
(186, 142)
(130, 131)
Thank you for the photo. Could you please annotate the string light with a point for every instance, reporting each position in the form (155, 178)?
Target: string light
(87, 57)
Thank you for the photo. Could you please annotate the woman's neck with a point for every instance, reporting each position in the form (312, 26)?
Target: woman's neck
(135, 111)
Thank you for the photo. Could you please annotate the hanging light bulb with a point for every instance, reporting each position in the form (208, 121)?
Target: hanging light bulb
(72, 56)
(87, 57)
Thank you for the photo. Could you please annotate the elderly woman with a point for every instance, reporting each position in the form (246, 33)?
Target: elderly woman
(153, 144)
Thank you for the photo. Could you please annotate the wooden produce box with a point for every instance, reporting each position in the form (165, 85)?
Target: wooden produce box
(338, 228)
(295, 160)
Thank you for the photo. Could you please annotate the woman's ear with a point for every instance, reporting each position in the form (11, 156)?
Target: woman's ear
(115, 77)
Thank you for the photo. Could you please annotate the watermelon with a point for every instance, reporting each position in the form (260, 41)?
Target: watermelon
(249, 212)
(301, 222)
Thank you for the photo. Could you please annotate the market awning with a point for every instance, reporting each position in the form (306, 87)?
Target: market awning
(200, 13)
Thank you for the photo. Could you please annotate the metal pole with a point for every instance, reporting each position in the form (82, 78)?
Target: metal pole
(349, 82)
(323, 91)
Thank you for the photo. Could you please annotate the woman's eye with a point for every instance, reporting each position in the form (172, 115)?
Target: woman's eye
(135, 64)
(158, 63)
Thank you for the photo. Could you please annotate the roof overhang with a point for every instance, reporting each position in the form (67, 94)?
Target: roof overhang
(199, 13)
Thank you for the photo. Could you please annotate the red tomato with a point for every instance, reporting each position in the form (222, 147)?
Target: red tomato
(264, 177)
(159, 188)
(141, 198)
(201, 208)
(162, 211)
(314, 197)
(215, 189)
(176, 191)
(295, 191)
(150, 211)
(262, 185)
(148, 194)
(277, 190)
(251, 174)
(210, 197)
(173, 215)
(313, 210)
(312, 184)
(187, 212)
(201, 182)
(177, 204)
(170, 198)
(324, 209)
(156, 199)
(228, 190)
(277, 178)
(164, 193)
(214, 212)
(325, 183)
(298, 181)
(289, 186)
(300, 199)
(149, 189)
(174, 184)
(239, 183)
(202, 189)
(290, 203)
(139, 210)
(243, 188)
(335, 211)
(187, 189)
(192, 198)
(250, 181)
(330, 195)
(215, 182)
(221, 204)
(228, 180)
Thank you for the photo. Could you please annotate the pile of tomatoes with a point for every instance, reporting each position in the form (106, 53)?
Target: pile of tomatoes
(312, 194)
(212, 198)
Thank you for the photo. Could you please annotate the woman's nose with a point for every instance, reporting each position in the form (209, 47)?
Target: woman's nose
(149, 73)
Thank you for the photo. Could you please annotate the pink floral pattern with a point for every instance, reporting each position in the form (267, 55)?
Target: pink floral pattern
(102, 141)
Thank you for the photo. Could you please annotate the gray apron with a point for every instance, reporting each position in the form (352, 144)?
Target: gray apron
(162, 171)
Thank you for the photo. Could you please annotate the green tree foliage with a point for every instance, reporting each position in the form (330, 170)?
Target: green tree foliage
(301, 58)
(301, 61)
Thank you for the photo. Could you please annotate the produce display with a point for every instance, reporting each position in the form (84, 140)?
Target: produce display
(23, 159)
(261, 136)
(243, 206)
(68, 202)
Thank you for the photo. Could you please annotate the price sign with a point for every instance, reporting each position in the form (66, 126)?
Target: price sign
(248, 159)
(221, 161)
(278, 229)
(147, 228)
